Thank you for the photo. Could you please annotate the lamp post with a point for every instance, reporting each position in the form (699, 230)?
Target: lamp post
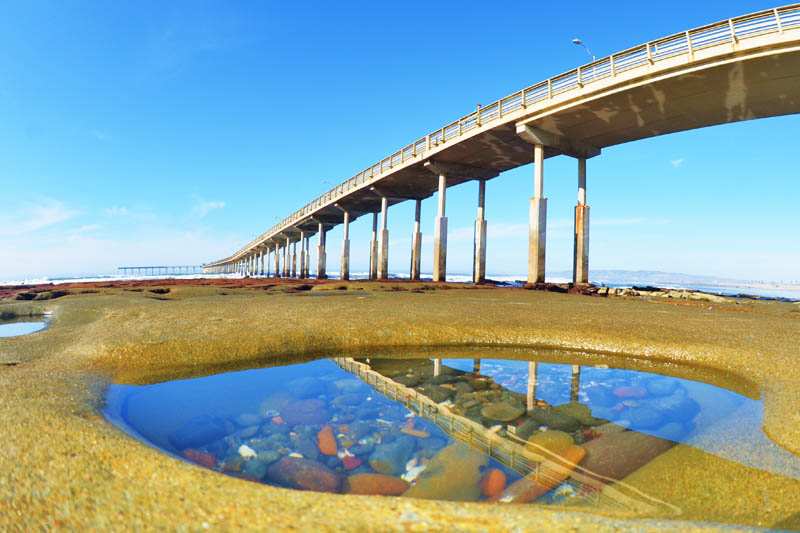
(578, 42)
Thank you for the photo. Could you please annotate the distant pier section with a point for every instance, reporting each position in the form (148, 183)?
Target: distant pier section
(178, 270)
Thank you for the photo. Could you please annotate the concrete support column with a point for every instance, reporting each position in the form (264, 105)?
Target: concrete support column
(286, 259)
(383, 249)
(294, 259)
(580, 258)
(373, 249)
(302, 254)
(440, 235)
(479, 248)
(537, 234)
(308, 257)
(532, 378)
(267, 253)
(321, 259)
(277, 261)
(344, 269)
(416, 243)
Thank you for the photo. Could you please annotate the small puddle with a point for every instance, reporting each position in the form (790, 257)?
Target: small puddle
(506, 430)
(18, 328)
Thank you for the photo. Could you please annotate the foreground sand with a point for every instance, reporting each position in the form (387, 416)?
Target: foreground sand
(63, 465)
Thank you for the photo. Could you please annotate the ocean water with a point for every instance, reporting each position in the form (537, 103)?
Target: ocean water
(515, 280)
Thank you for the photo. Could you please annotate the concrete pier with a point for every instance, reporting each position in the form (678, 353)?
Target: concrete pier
(286, 259)
(277, 261)
(416, 242)
(294, 259)
(479, 248)
(373, 249)
(344, 269)
(268, 272)
(302, 269)
(537, 230)
(308, 257)
(580, 262)
(440, 234)
(321, 258)
(383, 248)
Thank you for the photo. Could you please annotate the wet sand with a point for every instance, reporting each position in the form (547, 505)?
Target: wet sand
(63, 465)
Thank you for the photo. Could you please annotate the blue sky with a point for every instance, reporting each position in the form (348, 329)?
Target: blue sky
(173, 132)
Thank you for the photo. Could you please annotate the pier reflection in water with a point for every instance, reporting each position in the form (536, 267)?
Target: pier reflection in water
(453, 429)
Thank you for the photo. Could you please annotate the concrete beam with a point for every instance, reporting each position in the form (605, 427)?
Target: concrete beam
(536, 135)
(458, 170)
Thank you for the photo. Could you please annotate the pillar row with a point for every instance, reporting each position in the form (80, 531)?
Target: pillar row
(416, 242)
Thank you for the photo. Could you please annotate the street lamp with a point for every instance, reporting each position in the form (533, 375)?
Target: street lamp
(576, 41)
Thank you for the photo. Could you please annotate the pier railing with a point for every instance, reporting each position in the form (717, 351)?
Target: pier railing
(687, 43)
(524, 458)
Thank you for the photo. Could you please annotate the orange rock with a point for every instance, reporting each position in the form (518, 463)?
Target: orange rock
(277, 420)
(326, 441)
(493, 483)
(549, 474)
(202, 458)
(376, 484)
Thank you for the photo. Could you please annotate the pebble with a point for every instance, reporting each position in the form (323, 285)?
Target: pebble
(453, 474)
(304, 474)
(550, 474)
(326, 441)
(246, 452)
(202, 458)
(493, 483)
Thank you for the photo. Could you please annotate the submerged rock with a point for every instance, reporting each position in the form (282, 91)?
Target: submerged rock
(304, 474)
(579, 412)
(553, 441)
(255, 469)
(616, 455)
(643, 418)
(661, 386)
(200, 457)
(502, 411)
(198, 432)
(549, 474)
(305, 412)
(307, 387)
(327, 441)
(274, 403)
(375, 484)
(493, 483)
(453, 474)
(554, 419)
(391, 458)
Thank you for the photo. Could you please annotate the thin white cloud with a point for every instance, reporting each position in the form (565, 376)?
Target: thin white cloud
(203, 207)
(116, 211)
(677, 163)
(36, 216)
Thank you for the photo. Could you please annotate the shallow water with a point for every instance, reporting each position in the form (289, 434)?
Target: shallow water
(451, 429)
(15, 329)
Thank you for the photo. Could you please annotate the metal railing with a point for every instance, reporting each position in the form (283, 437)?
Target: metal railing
(687, 43)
